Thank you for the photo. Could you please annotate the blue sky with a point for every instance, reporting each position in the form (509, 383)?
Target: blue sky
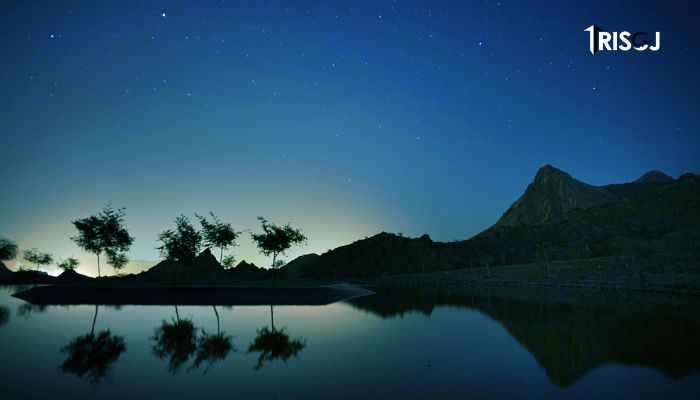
(343, 118)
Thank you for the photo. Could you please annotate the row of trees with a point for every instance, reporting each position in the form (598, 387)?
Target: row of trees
(105, 233)
(9, 251)
(184, 242)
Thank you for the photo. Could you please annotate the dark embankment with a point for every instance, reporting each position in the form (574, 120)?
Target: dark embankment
(144, 295)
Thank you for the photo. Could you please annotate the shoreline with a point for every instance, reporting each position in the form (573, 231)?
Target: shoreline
(189, 295)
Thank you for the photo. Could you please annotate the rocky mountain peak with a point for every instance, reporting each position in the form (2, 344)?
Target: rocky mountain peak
(550, 197)
(654, 176)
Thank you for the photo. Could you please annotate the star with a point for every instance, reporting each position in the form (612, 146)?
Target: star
(163, 15)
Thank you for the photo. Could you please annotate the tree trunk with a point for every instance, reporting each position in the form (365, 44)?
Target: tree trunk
(177, 314)
(272, 317)
(218, 327)
(98, 265)
(274, 257)
(92, 331)
(221, 257)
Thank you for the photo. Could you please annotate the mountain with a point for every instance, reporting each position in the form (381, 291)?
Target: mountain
(551, 197)
(554, 195)
(557, 218)
(654, 176)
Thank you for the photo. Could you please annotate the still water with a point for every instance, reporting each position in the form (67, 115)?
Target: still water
(398, 343)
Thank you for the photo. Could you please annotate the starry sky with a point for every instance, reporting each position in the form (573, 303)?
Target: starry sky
(344, 118)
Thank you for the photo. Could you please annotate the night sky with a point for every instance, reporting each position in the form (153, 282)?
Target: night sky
(343, 118)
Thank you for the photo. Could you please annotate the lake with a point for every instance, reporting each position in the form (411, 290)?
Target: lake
(397, 343)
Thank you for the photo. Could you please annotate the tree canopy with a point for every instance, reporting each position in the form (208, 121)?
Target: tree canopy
(68, 264)
(276, 239)
(37, 257)
(117, 260)
(103, 232)
(8, 249)
(217, 233)
(181, 244)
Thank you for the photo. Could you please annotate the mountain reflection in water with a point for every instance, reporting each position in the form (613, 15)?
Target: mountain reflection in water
(571, 332)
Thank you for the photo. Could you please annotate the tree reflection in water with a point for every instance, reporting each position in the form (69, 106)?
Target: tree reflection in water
(274, 344)
(213, 348)
(91, 356)
(176, 341)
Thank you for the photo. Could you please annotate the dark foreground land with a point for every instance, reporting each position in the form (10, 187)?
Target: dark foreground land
(189, 295)
(607, 273)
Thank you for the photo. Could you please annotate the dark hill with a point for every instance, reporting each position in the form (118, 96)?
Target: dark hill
(382, 254)
(204, 268)
(246, 271)
(9, 277)
(654, 176)
(71, 276)
(557, 218)
(5, 273)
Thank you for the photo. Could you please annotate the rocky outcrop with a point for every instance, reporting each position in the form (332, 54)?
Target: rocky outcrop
(551, 197)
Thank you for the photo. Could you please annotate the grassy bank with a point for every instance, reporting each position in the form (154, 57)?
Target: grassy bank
(669, 274)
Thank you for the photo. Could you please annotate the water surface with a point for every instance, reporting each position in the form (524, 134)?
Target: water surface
(398, 343)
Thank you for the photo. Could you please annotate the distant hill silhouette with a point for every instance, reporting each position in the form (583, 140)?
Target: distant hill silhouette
(204, 268)
(558, 217)
(8, 276)
(71, 276)
(246, 271)
(654, 176)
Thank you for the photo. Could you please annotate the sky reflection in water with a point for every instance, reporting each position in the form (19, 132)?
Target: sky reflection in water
(397, 343)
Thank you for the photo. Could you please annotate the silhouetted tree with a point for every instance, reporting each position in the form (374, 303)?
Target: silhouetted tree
(104, 232)
(117, 260)
(181, 244)
(8, 249)
(229, 261)
(176, 341)
(276, 239)
(68, 264)
(213, 348)
(38, 258)
(92, 355)
(273, 344)
(218, 234)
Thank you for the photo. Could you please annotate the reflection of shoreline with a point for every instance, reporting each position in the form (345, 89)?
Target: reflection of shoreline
(571, 332)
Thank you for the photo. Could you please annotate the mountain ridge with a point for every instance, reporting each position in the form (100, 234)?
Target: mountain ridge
(557, 218)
